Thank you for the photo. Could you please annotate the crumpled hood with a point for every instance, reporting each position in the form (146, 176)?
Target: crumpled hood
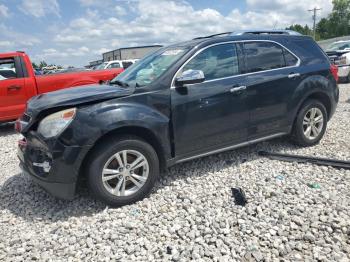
(75, 96)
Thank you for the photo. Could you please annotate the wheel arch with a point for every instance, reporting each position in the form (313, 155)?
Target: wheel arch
(320, 96)
(313, 87)
(138, 131)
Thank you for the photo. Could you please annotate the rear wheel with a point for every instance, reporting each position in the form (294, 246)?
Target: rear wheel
(310, 124)
(123, 171)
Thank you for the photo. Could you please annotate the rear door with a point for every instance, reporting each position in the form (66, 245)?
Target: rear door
(209, 115)
(272, 73)
(13, 95)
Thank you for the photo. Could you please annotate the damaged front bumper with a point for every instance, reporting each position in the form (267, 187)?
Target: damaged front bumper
(51, 164)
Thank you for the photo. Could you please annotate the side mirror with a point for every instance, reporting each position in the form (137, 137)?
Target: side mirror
(190, 77)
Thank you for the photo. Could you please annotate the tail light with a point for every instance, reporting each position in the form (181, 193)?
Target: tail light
(334, 71)
(342, 60)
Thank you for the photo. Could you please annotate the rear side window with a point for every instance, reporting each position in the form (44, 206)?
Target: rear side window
(309, 51)
(7, 69)
(216, 62)
(291, 60)
(261, 56)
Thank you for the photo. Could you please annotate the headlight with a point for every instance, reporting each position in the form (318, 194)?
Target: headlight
(54, 124)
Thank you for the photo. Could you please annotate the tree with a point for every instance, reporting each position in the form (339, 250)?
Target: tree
(304, 30)
(42, 64)
(35, 66)
(337, 23)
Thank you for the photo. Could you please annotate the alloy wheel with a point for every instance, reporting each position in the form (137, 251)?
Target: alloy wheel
(125, 173)
(313, 123)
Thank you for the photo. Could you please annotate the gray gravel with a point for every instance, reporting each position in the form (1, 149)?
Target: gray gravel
(190, 214)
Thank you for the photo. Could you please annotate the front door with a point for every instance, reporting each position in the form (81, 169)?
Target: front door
(211, 114)
(12, 92)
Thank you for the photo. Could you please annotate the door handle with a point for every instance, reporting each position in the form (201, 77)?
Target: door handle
(293, 75)
(13, 88)
(238, 89)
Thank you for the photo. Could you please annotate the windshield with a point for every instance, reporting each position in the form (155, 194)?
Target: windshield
(150, 68)
(339, 46)
(101, 66)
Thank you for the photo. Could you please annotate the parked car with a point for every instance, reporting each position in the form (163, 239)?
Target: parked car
(116, 64)
(182, 102)
(339, 54)
(19, 82)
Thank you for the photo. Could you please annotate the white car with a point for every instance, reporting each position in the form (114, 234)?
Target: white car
(116, 64)
(339, 54)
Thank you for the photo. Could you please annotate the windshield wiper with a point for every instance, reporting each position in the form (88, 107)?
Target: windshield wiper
(120, 83)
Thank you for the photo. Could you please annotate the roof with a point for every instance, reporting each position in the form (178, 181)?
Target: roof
(135, 47)
(233, 37)
(265, 31)
(12, 54)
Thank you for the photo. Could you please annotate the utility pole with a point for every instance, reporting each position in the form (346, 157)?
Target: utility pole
(314, 18)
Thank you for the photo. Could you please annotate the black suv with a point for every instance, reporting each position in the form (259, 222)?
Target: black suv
(182, 102)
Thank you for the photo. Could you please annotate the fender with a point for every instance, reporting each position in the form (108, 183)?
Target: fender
(100, 119)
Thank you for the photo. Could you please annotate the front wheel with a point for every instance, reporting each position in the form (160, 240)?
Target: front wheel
(310, 124)
(122, 171)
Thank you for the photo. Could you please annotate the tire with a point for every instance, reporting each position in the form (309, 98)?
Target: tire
(300, 129)
(118, 175)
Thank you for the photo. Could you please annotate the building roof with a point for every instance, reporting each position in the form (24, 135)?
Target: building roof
(133, 47)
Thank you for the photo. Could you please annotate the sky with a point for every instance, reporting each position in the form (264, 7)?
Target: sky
(75, 32)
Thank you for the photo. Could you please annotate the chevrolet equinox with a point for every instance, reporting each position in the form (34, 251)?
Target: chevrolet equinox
(184, 101)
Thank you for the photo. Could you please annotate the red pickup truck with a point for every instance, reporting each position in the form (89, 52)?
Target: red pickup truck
(18, 82)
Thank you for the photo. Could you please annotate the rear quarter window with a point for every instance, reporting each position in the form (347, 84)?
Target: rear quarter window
(309, 51)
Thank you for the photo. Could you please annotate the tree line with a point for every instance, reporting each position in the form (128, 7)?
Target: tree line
(337, 23)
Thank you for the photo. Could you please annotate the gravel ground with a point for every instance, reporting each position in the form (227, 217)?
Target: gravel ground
(190, 214)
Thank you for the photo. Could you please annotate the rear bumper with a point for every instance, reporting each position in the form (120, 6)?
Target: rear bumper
(53, 166)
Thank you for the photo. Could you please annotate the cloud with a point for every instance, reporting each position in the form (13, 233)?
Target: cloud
(6, 44)
(177, 21)
(4, 11)
(40, 8)
(111, 24)
(290, 10)
(11, 40)
(120, 11)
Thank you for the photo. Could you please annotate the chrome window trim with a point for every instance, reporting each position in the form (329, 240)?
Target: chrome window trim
(233, 76)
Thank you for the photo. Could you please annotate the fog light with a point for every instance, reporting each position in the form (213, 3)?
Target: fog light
(44, 165)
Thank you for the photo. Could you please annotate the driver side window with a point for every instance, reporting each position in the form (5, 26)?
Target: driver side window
(216, 62)
(7, 69)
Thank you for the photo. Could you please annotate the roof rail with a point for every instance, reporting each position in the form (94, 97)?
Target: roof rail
(265, 32)
(209, 36)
